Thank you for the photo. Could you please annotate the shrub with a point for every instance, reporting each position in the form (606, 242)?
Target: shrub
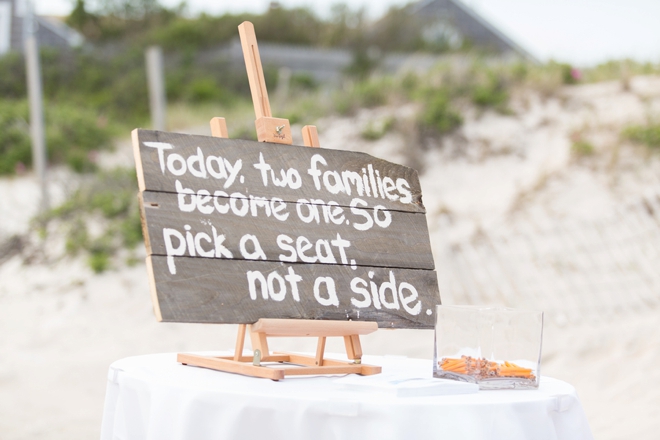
(648, 135)
(364, 94)
(15, 143)
(203, 89)
(362, 65)
(303, 81)
(77, 237)
(409, 84)
(376, 130)
(99, 261)
(491, 93)
(371, 93)
(582, 148)
(12, 76)
(73, 135)
(619, 69)
(111, 196)
(437, 113)
(569, 74)
(111, 83)
(183, 33)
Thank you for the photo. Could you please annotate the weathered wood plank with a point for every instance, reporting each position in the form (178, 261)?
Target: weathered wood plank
(239, 292)
(336, 234)
(282, 232)
(215, 164)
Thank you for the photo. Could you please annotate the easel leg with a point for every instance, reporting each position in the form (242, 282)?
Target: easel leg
(353, 348)
(240, 342)
(320, 348)
(259, 342)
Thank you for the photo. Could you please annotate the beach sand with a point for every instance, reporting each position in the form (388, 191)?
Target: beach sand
(61, 326)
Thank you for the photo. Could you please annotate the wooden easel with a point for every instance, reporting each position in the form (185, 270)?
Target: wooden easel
(277, 130)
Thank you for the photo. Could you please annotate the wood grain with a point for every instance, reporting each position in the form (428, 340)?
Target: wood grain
(153, 175)
(306, 327)
(353, 347)
(255, 71)
(277, 372)
(404, 243)
(219, 128)
(214, 287)
(240, 342)
(275, 130)
(230, 366)
(320, 349)
(310, 136)
(212, 291)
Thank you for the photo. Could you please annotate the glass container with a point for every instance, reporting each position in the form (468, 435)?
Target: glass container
(494, 347)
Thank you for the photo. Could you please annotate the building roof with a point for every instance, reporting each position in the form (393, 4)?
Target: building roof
(51, 32)
(470, 25)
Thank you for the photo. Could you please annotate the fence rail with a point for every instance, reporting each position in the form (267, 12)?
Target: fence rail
(588, 271)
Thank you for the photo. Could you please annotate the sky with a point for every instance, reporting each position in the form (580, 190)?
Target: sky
(581, 32)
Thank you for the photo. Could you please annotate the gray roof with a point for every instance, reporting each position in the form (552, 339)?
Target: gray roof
(470, 25)
(50, 31)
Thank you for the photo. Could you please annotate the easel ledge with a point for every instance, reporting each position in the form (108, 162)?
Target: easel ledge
(278, 130)
(307, 365)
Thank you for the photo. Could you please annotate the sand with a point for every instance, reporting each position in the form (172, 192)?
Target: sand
(61, 325)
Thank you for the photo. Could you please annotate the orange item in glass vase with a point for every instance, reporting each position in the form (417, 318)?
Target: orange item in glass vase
(483, 368)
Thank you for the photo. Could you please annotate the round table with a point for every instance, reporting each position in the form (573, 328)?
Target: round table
(154, 397)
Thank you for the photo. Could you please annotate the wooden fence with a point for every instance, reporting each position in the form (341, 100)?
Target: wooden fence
(587, 271)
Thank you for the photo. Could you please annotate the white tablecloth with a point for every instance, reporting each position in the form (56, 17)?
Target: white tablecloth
(155, 398)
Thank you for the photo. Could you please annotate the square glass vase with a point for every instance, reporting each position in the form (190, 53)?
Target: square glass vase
(494, 347)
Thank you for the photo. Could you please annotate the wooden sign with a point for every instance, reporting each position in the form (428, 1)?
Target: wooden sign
(239, 230)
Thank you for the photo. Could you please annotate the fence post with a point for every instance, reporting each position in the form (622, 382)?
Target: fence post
(156, 83)
(35, 98)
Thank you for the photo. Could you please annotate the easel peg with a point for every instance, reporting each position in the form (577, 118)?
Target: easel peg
(219, 128)
(310, 136)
